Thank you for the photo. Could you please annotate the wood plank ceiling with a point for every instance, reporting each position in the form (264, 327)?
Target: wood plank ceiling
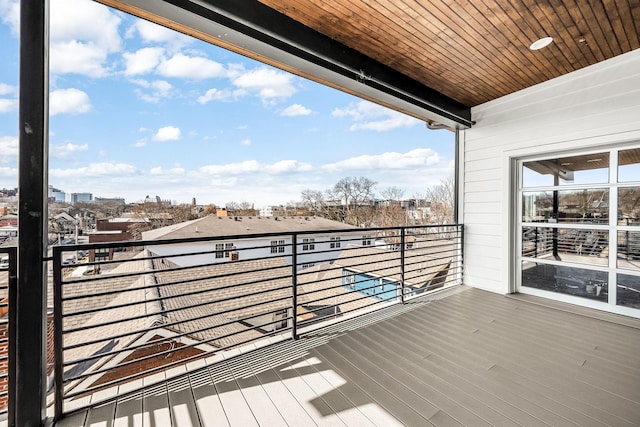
(475, 50)
(432, 58)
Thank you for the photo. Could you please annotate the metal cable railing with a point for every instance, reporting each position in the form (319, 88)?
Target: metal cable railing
(135, 309)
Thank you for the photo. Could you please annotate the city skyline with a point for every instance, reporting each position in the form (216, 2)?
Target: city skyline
(138, 110)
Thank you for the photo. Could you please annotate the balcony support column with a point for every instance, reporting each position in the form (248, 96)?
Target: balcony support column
(31, 305)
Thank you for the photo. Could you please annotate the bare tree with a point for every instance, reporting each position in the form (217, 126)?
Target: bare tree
(394, 194)
(442, 201)
(356, 194)
(241, 209)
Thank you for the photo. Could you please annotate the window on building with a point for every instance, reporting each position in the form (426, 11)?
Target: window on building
(335, 242)
(228, 247)
(366, 241)
(308, 265)
(219, 250)
(102, 253)
(277, 246)
(274, 246)
(308, 244)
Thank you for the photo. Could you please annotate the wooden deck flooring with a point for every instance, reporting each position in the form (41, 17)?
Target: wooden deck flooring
(472, 358)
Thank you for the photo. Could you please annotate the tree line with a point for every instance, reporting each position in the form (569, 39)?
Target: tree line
(354, 200)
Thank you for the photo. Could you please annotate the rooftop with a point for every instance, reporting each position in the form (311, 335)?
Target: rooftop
(231, 226)
(459, 357)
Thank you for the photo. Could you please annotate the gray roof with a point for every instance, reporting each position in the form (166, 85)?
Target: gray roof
(211, 226)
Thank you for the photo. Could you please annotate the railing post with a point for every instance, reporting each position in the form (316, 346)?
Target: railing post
(57, 331)
(461, 230)
(402, 245)
(294, 286)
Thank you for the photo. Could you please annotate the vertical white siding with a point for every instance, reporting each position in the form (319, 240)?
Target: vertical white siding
(595, 106)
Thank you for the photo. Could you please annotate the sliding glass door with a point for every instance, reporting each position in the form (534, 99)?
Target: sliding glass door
(578, 228)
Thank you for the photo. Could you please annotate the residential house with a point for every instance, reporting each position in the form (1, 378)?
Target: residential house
(313, 246)
(111, 230)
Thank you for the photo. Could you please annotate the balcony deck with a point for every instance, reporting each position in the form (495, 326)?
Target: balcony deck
(467, 357)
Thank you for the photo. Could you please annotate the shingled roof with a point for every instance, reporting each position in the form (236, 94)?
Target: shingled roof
(240, 225)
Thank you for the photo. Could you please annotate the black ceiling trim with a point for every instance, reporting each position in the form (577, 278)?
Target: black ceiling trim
(254, 19)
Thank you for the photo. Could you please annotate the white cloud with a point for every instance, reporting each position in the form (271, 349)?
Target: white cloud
(83, 34)
(167, 133)
(220, 95)
(8, 148)
(6, 89)
(268, 84)
(68, 101)
(190, 67)
(246, 142)
(295, 110)
(95, 170)
(8, 105)
(157, 90)
(253, 166)
(64, 151)
(8, 172)
(10, 15)
(150, 32)
(142, 61)
(79, 58)
(140, 143)
(419, 157)
(158, 170)
(286, 166)
(370, 116)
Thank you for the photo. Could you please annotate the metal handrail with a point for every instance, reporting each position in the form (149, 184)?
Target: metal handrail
(260, 295)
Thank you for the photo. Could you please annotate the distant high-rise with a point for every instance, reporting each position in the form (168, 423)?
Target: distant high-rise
(81, 198)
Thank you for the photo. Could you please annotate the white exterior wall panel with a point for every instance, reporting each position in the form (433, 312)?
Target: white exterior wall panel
(592, 107)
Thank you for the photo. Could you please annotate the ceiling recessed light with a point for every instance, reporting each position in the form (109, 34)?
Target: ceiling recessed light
(540, 43)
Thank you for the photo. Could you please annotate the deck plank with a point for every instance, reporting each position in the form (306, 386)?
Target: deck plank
(207, 400)
(322, 389)
(377, 392)
(291, 410)
(471, 358)
(263, 409)
(235, 406)
(101, 416)
(182, 404)
(569, 380)
(155, 406)
(408, 372)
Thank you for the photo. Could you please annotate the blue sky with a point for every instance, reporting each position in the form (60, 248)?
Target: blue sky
(138, 110)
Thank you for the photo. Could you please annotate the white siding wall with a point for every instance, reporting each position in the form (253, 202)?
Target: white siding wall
(596, 106)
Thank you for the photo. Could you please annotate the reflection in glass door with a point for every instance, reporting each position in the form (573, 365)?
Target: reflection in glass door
(579, 228)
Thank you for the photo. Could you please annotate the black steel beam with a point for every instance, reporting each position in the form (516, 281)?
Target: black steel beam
(254, 19)
(31, 343)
